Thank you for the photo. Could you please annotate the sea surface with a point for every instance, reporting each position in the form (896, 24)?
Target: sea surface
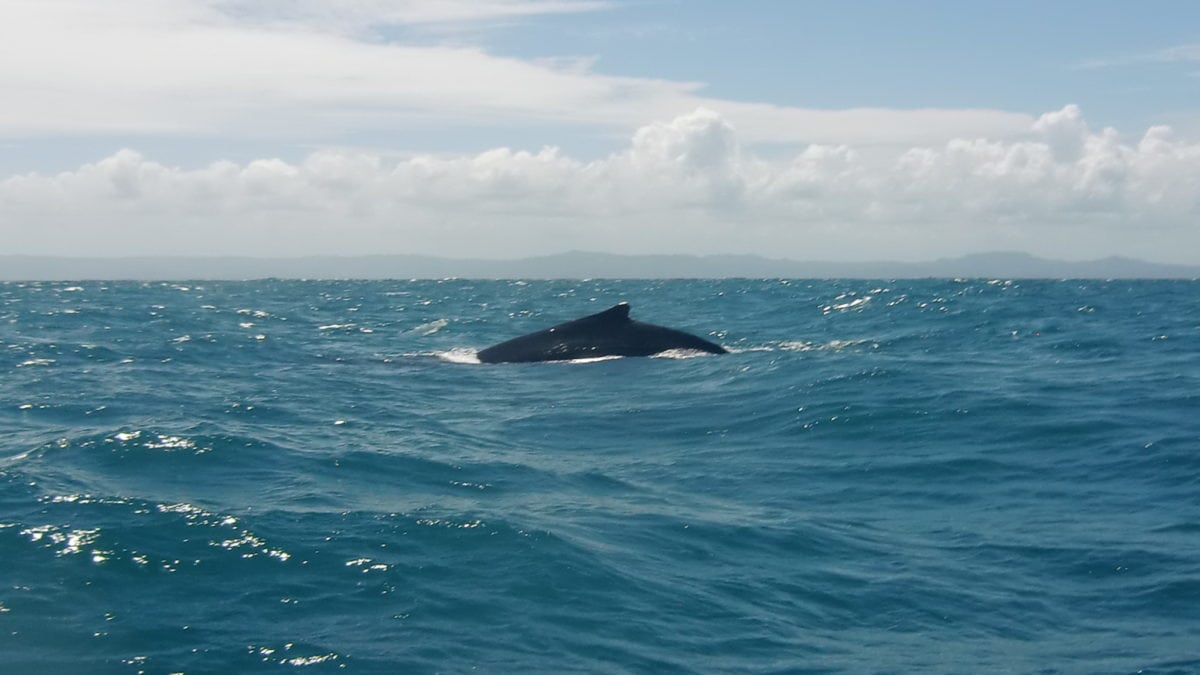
(997, 476)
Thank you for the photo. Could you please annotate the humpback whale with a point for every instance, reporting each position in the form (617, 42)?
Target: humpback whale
(607, 333)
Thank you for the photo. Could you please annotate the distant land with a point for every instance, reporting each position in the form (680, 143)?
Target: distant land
(574, 265)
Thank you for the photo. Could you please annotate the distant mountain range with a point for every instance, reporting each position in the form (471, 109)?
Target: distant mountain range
(576, 265)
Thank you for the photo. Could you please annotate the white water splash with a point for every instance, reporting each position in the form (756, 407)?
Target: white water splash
(431, 327)
(456, 355)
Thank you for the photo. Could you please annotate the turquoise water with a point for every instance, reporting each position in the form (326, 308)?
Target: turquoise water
(900, 476)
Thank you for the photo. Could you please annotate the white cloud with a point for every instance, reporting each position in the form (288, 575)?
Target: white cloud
(364, 14)
(1190, 52)
(1178, 54)
(685, 185)
(311, 72)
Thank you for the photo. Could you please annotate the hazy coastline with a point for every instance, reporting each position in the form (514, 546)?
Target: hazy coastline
(573, 265)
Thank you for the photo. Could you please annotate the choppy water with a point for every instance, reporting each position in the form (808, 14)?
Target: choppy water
(906, 476)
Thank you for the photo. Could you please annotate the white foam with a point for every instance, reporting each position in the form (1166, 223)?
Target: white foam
(431, 327)
(471, 356)
(797, 346)
(457, 355)
(680, 354)
(806, 346)
(591, 359)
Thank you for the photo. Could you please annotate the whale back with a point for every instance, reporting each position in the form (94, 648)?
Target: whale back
(607, 333)
(613, 316)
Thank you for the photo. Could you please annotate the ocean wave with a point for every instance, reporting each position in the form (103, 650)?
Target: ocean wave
(918, 476)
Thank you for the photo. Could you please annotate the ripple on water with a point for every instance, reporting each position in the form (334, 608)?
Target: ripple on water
(907, 476)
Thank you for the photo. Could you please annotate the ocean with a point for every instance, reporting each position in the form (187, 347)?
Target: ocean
(953, 476)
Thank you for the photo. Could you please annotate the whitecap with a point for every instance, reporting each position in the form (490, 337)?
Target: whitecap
(431, 327)
(165, 442)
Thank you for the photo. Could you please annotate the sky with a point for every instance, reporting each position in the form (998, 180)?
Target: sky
(840, 131)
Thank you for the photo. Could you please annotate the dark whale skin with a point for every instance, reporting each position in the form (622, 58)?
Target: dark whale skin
(607, 333)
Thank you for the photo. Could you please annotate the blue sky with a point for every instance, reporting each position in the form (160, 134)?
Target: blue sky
(511, 127)
(1029, 56)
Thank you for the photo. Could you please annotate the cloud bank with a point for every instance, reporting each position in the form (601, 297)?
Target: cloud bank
(686, 185)
(315, 72)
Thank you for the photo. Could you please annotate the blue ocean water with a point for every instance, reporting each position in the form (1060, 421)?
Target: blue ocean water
(314, 476)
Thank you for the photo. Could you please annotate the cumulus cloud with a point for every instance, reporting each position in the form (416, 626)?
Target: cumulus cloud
(309, 71)
(683, 185)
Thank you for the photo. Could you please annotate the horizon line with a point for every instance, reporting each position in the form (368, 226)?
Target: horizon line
(534, 256)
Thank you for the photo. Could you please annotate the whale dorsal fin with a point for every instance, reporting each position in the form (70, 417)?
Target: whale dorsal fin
(618, 312)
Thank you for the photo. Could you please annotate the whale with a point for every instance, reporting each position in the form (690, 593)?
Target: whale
(607, 333)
